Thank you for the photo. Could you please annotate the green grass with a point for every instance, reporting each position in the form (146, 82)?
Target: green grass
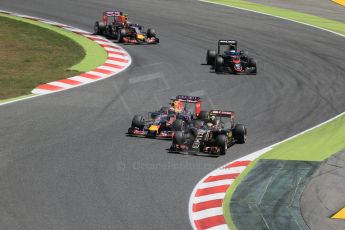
(33, 53)
(315, 145)
(288, 14)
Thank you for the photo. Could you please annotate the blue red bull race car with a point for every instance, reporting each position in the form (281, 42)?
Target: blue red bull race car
(162, 123)
(115, 25)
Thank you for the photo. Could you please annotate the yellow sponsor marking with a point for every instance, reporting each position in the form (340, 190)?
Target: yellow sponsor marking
(153, 128)
(340, 2)
(339, 215)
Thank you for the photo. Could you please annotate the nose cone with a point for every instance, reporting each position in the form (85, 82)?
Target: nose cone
(140, 37)
(153, 128)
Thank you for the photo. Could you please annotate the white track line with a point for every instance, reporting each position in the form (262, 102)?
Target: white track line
(216, 183)
(208, 213)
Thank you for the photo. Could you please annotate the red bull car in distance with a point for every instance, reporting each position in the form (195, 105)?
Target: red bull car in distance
(162, 123)
(115, 25)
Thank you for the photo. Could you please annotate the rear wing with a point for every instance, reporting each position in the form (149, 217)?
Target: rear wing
(114, 13)
(190, 99)
(227, 42)
(220, 113)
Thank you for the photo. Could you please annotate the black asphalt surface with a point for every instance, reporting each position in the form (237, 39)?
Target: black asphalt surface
(65, 161)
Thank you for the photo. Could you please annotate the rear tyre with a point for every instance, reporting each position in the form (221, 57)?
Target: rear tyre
(193, 132)
(210, 57)
(240, 133)
(219, 64)
(138, 121)
(178, 125)
(198, 123)
(99, 28)
(203, 115)
(120, 35)
(222, 143)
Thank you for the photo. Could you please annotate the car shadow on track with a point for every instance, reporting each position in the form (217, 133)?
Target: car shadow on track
(193, 154)
(152, 138)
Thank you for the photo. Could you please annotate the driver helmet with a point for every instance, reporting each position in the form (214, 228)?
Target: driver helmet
(216, 122)
(178, 106)
(212, 118)
(171, 110)
(122, 18)
(232, 52)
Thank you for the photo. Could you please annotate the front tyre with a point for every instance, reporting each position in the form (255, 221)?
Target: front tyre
(138, 121)
(151, 33)
(240, 133)
(252, 66)
(179, 138)
(219, 64)
(222, 143)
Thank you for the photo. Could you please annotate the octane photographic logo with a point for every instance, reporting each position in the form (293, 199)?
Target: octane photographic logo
(168, 166)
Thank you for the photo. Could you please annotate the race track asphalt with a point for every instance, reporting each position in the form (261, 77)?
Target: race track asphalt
(65, 161)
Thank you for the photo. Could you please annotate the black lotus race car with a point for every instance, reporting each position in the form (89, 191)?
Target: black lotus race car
(115, 25)
(213, 135)
(228, 59)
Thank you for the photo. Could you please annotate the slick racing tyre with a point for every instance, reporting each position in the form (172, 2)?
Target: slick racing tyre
(120, 35)
(252, 65)
(210, 57)
(151, 33)
(99, 28)
(198, 123)
(203, 115)
(138, 121)
(179, 138)
(219, 64)
(222, 143)
(178, 125)
(240, 133)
